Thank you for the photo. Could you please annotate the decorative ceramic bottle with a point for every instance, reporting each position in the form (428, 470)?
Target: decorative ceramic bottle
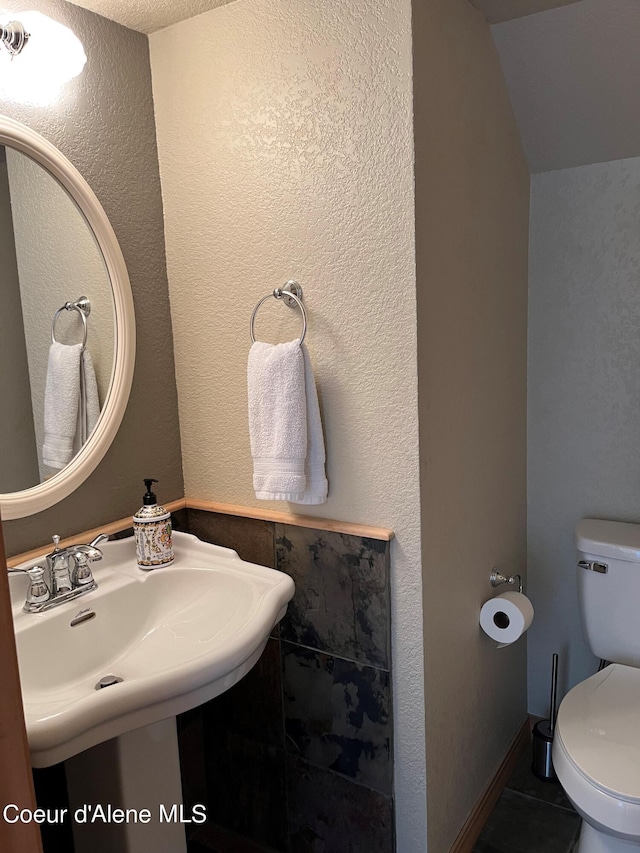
(152, 530)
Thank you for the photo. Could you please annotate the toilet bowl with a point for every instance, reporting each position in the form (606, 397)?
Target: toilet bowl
(596, 756)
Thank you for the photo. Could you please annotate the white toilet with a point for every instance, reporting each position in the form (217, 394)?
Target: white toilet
(596, 748)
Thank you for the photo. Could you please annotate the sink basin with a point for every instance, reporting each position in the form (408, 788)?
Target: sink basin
(176, 636)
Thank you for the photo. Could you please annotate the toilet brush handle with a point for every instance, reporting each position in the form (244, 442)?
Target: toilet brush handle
(554, 694)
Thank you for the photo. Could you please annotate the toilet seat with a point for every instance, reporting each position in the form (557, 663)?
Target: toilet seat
(596, 750)
(600, 724)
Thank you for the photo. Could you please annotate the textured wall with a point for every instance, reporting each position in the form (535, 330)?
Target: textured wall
(285, 144)
(58, 260)
(104, 124)
(18, 455)
(584, 391)
(472, 197)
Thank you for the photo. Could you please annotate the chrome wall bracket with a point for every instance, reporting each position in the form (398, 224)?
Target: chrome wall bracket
(497, 579)
(291, 289)
(13, 37)
(82, 303)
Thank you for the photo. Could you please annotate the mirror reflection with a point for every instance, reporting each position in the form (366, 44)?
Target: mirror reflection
(51, 392)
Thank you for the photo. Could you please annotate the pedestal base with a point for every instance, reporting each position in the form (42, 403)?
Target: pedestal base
(139, 773)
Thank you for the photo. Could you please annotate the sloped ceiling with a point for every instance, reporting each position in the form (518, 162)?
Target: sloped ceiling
(147, 16)
(573, 75)
(505, 10)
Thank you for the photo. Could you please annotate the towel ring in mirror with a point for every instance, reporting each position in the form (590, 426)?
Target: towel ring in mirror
(83, 307)
(32, 500)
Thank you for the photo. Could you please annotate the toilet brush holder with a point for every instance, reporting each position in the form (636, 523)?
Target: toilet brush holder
(542, 762)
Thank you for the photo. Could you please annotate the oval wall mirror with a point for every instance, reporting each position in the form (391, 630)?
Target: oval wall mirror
(67, 327)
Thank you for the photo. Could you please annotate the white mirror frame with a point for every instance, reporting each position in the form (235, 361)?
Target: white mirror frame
(40, 497)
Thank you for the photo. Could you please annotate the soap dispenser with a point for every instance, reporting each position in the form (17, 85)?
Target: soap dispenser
(152, 530)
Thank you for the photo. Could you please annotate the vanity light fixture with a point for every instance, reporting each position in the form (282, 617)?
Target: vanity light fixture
(37, 56)
(13, 37)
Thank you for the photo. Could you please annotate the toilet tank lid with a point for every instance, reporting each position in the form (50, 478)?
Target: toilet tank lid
(619, 540)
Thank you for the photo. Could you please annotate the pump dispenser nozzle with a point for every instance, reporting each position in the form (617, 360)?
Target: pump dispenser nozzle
(149, 498)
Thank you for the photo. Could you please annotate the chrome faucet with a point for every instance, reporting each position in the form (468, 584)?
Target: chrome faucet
(68, 575)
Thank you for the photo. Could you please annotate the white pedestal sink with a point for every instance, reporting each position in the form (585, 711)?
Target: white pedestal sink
(176, 636)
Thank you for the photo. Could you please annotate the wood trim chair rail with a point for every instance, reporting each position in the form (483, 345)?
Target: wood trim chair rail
(347, 527)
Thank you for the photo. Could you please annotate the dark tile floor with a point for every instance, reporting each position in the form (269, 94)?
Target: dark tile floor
(530, 817)
(215, 839)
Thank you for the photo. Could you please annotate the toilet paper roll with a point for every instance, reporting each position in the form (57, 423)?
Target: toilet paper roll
(506, 617)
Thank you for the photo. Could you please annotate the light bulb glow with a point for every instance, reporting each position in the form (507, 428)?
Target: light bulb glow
(52, 56)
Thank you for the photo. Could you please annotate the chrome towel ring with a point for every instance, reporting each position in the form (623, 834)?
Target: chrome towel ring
(291, 294)
(83, 307)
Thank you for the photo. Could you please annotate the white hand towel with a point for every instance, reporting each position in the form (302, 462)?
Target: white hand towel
(89, 405)
(277, 420)
(61, 400)
(316, 487)
(287, 442)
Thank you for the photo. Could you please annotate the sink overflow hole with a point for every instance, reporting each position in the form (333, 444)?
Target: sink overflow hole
(82, 616)
(107, 681)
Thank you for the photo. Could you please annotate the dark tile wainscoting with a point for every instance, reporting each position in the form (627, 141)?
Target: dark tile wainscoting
(298, 756)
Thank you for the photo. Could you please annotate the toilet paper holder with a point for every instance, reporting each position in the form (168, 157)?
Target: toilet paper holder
(497, 579)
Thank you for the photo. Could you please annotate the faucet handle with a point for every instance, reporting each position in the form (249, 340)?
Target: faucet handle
(82, 572)
(56, 542)
(38, 590)
(87, 552)
(82, 556)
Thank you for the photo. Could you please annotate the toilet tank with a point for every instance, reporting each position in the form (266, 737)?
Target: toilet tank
(609, 588)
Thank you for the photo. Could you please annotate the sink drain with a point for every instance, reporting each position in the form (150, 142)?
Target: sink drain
(107, 681)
